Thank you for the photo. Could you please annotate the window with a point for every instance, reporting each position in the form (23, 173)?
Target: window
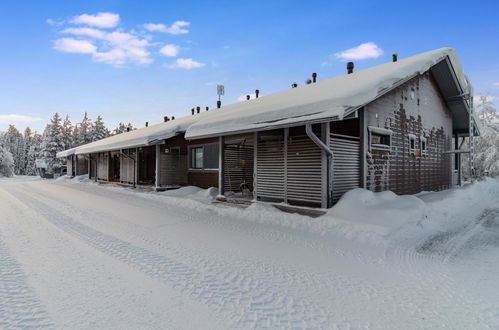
(424, 150)
(412, 144)
(204, 157)
(197, 157)
(380, 138)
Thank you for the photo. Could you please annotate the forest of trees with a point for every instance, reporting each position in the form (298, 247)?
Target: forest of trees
(18, 151)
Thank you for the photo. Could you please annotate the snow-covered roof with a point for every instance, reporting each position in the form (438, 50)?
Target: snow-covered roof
(331, 98)
(142, 136)
(66, 153)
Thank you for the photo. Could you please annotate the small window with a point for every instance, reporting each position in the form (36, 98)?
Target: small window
(204, 157)
(380, 138)
(424, 147)
(412, 144)
(197, 157)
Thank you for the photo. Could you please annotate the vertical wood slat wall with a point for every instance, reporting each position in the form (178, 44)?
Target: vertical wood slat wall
(304, 170)
(238, 167)
(126, 167)
(102, 169)
(346, 164)
(288, 170)
(270, 165)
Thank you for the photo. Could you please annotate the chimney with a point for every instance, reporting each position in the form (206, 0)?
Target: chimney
(165, 118)
(192, 110)
(294, 85)
(173, 117)
(147, 123)
(198, 109)
(257, 91)
(314, 77)
(350, 67)
(394, 57)
(247, 97)
(207, 108)
(219, 104)
(128, 129)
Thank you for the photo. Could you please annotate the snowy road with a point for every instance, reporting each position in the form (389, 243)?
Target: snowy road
(87, 256)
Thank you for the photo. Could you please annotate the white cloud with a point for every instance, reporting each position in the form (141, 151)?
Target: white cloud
(101, 20)
(115, 48)
(186, 63)
(85, 31)
(242, 98)
(170, 50)
(361, 52)
(176, 28)
(7, 119)
(496, 84)
(70, 45)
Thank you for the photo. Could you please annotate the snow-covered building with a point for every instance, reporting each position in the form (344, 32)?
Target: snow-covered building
(389, 127)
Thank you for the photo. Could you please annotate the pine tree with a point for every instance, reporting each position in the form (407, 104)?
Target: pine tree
(67, 132)
(83, 133)
(6, 162)
(99, 131)
(52, 143)
(14, 143)
(32, 148)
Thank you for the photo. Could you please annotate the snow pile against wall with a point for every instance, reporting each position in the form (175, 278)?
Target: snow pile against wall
(330, 98)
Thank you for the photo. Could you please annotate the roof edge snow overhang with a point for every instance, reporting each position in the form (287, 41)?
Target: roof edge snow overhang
(87, 148)
(456, 97)
(66, 153)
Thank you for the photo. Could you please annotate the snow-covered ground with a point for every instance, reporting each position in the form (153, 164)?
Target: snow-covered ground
(74, 254)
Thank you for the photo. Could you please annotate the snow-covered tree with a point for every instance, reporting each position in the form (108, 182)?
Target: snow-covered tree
(486, 156)
(122, 128)
(52, 143)
(6, 162)
(67, 133)
(99, 131)
(83, 131)
(32, 145)
(14, 143)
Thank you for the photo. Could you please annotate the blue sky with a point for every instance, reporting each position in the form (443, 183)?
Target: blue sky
(137, 61)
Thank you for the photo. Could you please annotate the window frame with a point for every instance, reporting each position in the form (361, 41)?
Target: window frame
(382, 132)
(411, 141)
(424, 151)
(202, 147)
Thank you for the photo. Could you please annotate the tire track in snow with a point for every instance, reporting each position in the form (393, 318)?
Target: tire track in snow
(245, 302)
(19, 305)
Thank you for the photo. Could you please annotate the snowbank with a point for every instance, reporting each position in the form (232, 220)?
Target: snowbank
(361, 215)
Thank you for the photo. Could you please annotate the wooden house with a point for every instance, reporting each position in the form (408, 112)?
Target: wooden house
(393, 127)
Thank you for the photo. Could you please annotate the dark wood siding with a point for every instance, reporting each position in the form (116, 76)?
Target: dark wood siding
(81, 165)
(202, 178)
(173, 164)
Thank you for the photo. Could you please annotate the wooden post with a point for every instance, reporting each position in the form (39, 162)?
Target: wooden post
(158, 166)
(221, 142)
(136, 168)
(363, 146)
(255, 165)
(286, 135)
